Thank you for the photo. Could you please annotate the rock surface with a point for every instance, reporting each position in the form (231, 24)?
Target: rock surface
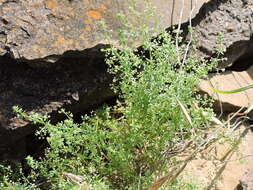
(233, 19)
(74, 84)
(204, 167)
(246, 183)
(43, 30)
(229, 80)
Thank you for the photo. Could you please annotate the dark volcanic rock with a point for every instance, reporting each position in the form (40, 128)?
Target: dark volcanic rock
(73, 84)
(234, 19)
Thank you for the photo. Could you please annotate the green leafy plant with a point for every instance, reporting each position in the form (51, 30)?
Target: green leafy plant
(124, 146)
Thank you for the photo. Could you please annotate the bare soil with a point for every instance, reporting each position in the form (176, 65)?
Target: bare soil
(209, 166)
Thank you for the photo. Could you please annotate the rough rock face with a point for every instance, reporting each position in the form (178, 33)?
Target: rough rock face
(246, 183)
(33, 30)
(233, 19)
(73, 84)
(229, 80)
(43, 30)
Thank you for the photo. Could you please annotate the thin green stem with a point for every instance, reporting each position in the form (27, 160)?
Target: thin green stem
(233, 91)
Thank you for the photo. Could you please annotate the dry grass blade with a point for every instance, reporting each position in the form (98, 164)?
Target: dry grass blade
(218, 174)
(171, 179)
(249, 110)
(178, 30)
(227, 155)
(234, 115)
(235, 145)
(185, 112)
(179, 171)
(159, 183)
(217, 121)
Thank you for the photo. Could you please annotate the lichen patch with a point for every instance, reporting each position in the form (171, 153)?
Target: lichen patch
(94, 14)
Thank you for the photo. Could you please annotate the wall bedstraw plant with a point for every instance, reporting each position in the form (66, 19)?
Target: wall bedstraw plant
(121, 147)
